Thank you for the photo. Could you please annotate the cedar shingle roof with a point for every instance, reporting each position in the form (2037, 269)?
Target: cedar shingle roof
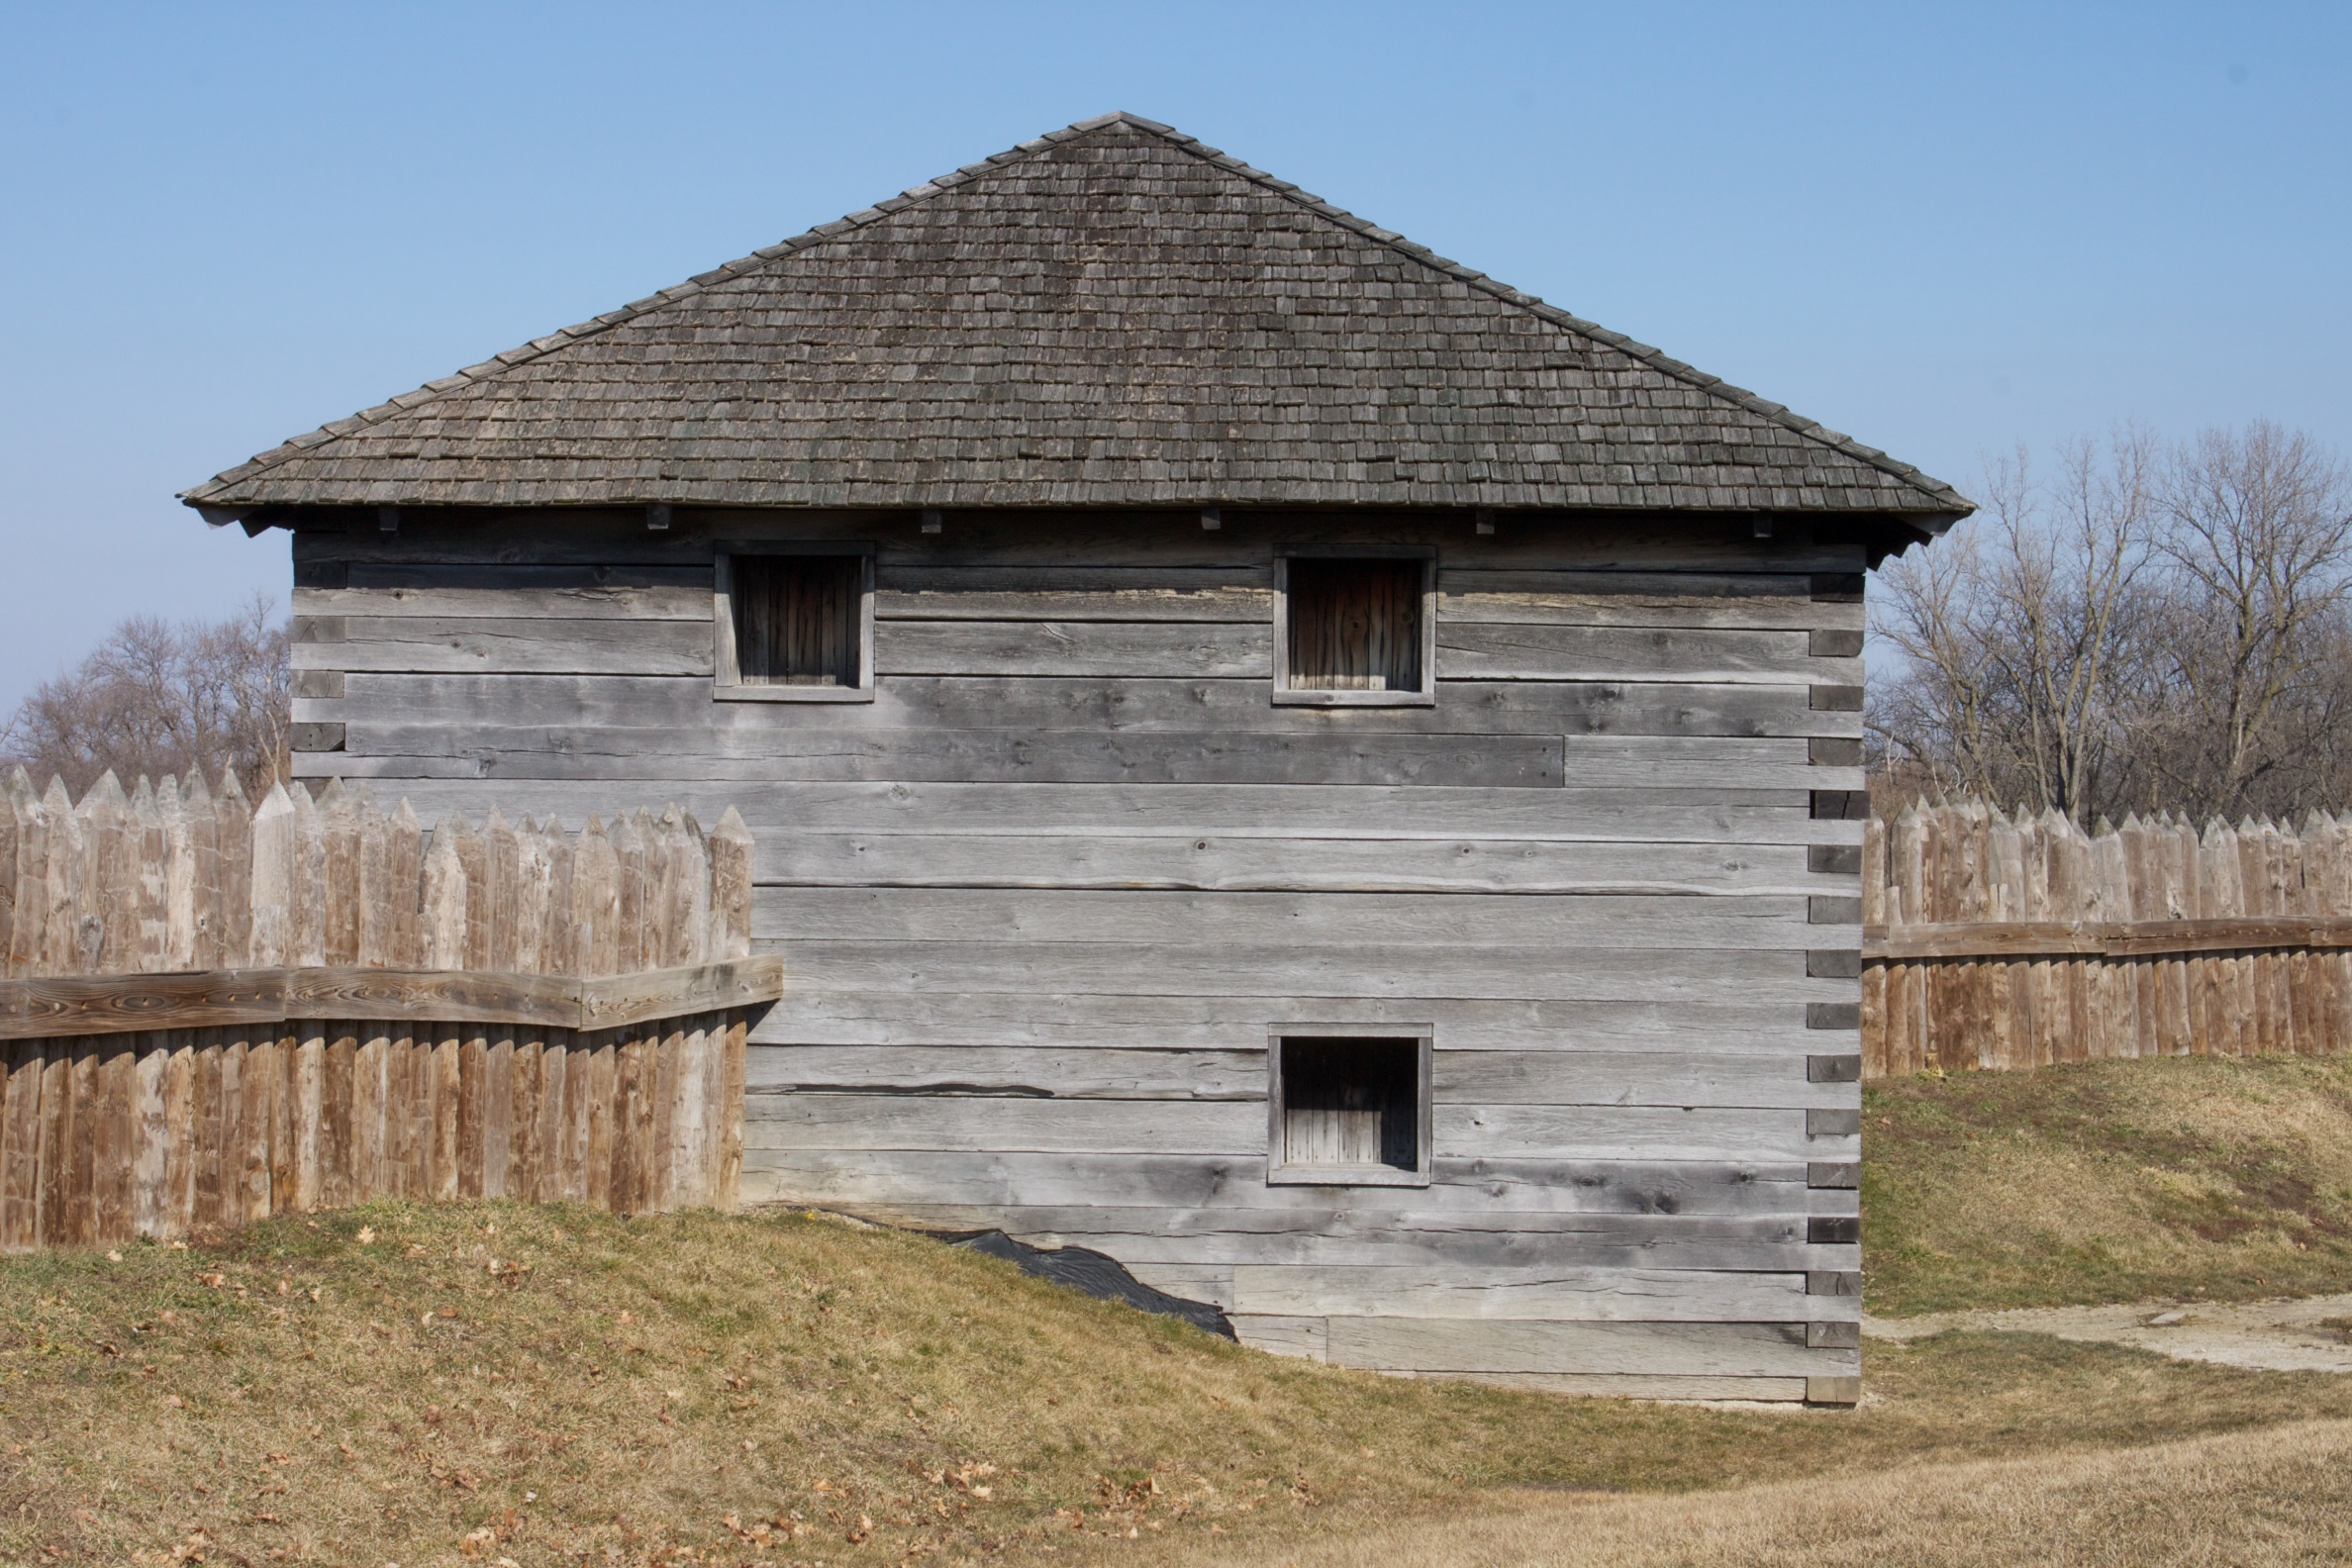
(1111, 314)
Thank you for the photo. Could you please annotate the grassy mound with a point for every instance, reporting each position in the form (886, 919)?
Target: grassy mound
(482, 1382)
(2195, 1177)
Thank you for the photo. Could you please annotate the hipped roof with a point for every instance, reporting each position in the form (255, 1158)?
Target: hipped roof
(1113, 315)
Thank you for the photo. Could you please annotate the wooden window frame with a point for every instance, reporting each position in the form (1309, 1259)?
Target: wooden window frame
(1285, 695)
(726, 683)
(1281, 1173)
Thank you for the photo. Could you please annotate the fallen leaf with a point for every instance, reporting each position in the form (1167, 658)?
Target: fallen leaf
(367, 1234)
(113, 1256)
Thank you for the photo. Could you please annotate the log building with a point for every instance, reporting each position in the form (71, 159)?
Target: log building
(1273, 754)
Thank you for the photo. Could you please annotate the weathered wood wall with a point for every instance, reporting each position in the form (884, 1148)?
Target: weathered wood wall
(1045, 896)
(239, 934)
(2002, 941)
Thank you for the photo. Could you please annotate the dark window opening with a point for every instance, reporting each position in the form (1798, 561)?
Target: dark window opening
(797, 620)
(1351, 1102)
(1355, 624)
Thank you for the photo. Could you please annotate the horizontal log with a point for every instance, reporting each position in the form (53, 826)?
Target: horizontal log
(993, 755)
(1370, 969)
(1497, 650)
(1735, 816)
(810, 1015)
(122, 1004)
(1629, 543)
(502, 644)
(460, 594)
(1693, 710)
(2105, 939)
(1762, 1349)
(1556, 1295)
(1285, 921)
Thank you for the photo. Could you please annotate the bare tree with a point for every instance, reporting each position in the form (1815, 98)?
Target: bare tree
(2016, 637)
(2257, 543)
(156, 698)
(2156, 629)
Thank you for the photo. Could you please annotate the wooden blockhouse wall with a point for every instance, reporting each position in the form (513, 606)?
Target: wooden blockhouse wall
(1113, 805)
(1043, 900)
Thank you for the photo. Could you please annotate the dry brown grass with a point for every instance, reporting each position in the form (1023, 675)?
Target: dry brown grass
(783, 1389)
(2279, 1496)
(2111, 1181)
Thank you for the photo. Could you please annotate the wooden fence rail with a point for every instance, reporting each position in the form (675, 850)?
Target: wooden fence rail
(2000, 941)
(212, 1013)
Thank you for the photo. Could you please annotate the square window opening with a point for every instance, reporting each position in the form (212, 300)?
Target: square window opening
(796, 619)
(1351, 1107)
(795, 623)
(1355, 624)
(1354, 629)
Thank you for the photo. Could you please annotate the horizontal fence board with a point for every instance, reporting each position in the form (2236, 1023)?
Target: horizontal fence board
(54, 1006)
(124, 1004)
(2108, 939)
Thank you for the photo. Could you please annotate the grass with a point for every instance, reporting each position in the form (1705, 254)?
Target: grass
(2198, 1177)
(2281, 1496)
(472, 1383)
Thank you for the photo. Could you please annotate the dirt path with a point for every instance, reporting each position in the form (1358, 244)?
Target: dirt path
(2305, 1335)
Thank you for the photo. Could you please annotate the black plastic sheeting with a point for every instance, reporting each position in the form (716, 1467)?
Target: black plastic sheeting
(1098, 1275)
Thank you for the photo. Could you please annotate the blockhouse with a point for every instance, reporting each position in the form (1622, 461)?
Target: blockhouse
(1273, 754)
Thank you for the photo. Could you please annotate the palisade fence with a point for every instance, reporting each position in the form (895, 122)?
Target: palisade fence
(212, 1012)
(2001, 941)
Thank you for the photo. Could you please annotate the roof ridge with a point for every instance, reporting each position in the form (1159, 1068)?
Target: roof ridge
(767, 256)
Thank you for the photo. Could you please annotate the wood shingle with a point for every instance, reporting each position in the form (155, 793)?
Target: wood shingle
(1113, 315)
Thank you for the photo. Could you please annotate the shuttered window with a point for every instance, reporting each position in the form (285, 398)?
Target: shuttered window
(1350, 1109)
(798, 626)
(1357, 630)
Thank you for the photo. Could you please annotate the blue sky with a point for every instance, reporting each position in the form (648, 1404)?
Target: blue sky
(1943, 229)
